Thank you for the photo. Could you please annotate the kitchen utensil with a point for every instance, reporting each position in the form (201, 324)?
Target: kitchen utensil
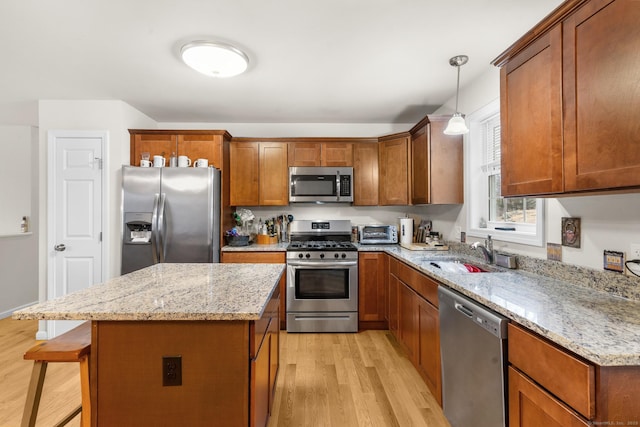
(159, 161)
(145, 163)
(201, 163)
(184, 162)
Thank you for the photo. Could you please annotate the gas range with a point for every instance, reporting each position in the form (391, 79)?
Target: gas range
(322, 277)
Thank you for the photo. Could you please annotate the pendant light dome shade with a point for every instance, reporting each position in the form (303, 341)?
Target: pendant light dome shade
(457, 125)
(214, 59)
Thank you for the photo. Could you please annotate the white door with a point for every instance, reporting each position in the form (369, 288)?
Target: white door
(75, 210)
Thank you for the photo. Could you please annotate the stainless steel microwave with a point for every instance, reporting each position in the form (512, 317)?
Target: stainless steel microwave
(377, 234)
(320, 184)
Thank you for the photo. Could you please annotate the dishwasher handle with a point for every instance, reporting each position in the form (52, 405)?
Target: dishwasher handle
(463, 309)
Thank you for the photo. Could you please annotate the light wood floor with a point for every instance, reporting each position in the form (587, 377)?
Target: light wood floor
(329, 380)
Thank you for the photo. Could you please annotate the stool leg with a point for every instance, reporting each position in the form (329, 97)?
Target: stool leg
(86, 394)
(34, 393)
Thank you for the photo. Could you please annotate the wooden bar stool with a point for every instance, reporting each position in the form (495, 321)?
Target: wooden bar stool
(72, 346)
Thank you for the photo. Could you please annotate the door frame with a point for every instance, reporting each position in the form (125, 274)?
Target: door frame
(52, 136)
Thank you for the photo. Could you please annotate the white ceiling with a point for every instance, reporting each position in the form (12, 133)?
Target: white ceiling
(327, 61)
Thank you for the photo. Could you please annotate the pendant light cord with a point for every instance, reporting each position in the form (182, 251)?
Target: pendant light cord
(457, 87)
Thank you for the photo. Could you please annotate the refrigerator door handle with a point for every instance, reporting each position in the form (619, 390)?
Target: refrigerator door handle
(161, 230)
(154, 229)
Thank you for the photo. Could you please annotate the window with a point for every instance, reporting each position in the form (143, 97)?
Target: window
(514, 219)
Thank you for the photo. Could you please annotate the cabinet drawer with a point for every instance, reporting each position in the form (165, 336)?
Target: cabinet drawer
(531, 406)
(421, 284)
(567, 377)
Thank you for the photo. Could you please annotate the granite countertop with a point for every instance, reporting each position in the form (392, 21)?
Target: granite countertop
(278, 247)
(597, 325)
(169, 292)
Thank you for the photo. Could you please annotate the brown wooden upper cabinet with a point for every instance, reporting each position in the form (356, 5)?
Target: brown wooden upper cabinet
(200, 144)
(569, 101)
(436, 163)
(394, 161)
(365, 174)
(320, 154)
(259, 174)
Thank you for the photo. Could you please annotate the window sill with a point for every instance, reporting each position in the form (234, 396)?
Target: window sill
(530, 239)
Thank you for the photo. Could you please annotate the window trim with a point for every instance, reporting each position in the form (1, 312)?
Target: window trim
(476, 189)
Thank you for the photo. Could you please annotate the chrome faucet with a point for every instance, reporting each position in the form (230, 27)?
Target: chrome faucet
(487, 249)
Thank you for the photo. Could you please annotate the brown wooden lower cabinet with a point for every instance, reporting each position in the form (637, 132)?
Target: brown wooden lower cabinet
(228, 371)
(263, 258)
(373, 273)
(428, 356)
(415, 321)
(550, 386)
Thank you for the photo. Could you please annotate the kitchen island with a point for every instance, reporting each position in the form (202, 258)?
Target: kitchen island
(179, 344)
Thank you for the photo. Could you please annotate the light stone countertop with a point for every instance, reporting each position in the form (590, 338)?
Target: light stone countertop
(578, 309)
(278, 247)
(601, 327)
(169, 292)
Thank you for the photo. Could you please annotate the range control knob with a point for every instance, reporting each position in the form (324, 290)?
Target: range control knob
(336, 255)
(321, 256)
(300, 255)
(344, 255)
(308, 255)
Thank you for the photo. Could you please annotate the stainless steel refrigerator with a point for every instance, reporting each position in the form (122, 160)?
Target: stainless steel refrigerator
(169, 215)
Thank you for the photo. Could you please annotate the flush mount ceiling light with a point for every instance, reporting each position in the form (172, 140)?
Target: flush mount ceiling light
(456, 125)
(214, 59)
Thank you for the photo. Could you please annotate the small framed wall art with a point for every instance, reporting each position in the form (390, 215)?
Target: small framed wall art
(571, 232)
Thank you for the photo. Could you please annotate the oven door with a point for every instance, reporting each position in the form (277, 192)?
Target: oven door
(324, 286)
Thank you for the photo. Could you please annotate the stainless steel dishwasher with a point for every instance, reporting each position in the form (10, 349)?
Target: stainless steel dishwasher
(473, 343)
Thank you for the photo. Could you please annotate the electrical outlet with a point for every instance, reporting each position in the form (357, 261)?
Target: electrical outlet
(171, 370)
(634, 253)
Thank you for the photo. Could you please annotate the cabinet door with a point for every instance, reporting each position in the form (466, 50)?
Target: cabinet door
(274, 174)
(260, 384)
(244, 174)
(154, 144)
(408, 320)
(201, 147)
(420, 171)
(446, 166)
(531, 117)
(365, 174)
(305, 153)
(274, 359)
(394, 171)
(601, 97)
(531, 406)
(337, 154)
(372, 290)
(392, 316)
(428, 357)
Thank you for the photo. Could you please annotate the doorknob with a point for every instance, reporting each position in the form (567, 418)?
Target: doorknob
(61, 247)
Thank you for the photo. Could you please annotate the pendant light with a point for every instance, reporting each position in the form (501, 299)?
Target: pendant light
(214, 59)
(456, 125)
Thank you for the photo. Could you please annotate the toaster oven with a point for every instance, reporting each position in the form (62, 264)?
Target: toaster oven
(377, 234)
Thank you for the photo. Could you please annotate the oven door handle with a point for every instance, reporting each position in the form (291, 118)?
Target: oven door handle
(325, 264)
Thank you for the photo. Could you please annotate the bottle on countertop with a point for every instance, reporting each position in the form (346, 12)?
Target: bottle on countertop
(24, 225)
(173, 160)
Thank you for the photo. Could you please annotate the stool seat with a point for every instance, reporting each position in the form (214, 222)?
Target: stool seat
(72, 346)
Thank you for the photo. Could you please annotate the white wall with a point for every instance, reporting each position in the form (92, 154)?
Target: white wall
(608, 221)
(18, 253)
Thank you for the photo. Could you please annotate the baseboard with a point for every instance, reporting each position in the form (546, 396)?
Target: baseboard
(8, 313)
